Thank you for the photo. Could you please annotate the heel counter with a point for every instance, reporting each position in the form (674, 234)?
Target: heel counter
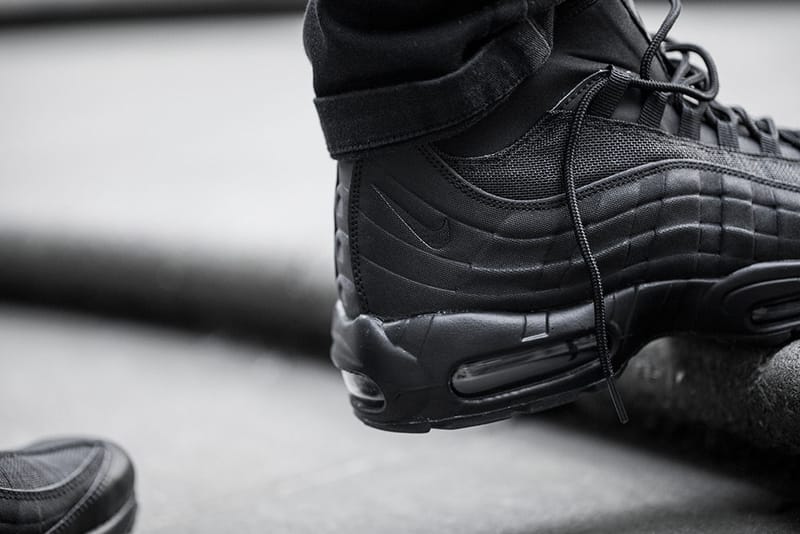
(346, 240)
(399, 241)
(413, 235)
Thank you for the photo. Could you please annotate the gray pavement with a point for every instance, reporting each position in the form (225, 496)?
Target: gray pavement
(230, 437)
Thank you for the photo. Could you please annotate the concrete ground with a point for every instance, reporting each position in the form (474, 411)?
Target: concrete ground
(231, 437)
(194, 142)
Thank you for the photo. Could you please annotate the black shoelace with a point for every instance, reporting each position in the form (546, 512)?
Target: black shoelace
(689, 88)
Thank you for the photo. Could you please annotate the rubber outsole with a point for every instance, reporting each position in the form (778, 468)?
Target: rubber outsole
(454, 370)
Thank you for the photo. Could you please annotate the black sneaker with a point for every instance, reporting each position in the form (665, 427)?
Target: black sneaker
(67, 487)
(528, 259)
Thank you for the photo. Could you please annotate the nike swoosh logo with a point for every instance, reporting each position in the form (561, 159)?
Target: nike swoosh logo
(429, 226)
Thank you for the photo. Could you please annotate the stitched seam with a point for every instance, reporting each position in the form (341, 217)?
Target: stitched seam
(46, 494)
(721, 241)
(533, 268)
(777, 223)
(551, 121)
(96, 491)
(355, 255)
(613, 276)
(549, 204)
(606, 221)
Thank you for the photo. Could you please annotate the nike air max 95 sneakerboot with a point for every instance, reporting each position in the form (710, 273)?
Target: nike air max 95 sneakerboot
(609, 201)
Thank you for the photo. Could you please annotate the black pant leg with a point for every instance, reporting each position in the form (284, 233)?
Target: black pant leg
(389, 71)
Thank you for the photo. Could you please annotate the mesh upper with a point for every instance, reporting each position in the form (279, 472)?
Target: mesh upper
(531, 168)
(29, 470)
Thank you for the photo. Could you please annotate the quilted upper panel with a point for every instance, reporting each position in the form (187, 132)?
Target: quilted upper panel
(429, 241)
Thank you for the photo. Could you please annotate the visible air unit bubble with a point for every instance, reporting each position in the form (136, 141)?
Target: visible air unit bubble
(777, 312)
(365, 390)
(523, 367)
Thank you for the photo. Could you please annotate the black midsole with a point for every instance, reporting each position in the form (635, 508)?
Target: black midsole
(450, 370)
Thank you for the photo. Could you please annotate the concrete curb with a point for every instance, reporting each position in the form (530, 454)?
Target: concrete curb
(146, 282)
(748, 392)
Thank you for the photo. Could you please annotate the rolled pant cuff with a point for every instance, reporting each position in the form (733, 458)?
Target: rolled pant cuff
(367, 120)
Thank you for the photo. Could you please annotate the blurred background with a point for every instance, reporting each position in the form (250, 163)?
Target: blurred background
(166, 279)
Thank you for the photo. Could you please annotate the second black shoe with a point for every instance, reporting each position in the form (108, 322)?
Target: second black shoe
(528, 259)
(67, 487)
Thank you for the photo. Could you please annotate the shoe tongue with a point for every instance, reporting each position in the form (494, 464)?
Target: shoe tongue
(602, 33)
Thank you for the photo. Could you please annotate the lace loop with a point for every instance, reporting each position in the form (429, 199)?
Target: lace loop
(703, 86)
